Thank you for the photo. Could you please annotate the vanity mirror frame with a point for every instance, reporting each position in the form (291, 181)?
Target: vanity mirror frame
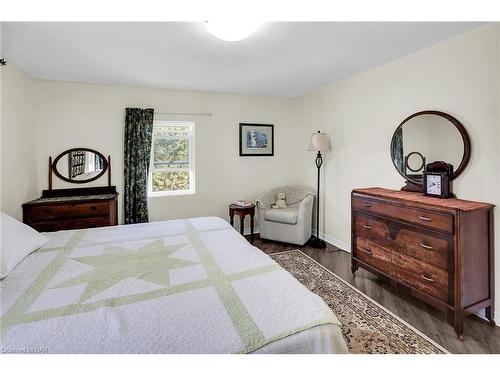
(463, 133)
(53, 167)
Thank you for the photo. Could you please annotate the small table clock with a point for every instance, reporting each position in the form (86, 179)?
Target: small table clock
(437, 179)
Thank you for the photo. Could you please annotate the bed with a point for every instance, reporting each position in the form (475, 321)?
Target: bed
(180, 286)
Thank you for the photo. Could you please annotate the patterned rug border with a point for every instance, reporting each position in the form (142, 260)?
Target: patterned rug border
(370, 299)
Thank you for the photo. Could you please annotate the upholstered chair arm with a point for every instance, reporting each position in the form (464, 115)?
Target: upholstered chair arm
(259, 206)
(305, 209)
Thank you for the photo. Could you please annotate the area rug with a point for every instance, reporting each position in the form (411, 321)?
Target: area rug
(368, 327)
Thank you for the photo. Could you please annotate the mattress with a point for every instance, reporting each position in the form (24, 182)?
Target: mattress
(180, 286)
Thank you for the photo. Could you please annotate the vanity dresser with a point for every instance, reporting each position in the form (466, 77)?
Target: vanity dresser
(75, 208)
(439, 250)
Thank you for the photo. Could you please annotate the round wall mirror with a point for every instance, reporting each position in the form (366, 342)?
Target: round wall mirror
(80, 165)
(429, 136)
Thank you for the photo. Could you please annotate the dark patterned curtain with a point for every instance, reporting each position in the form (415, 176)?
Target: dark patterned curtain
(397, 149)
(138, 135)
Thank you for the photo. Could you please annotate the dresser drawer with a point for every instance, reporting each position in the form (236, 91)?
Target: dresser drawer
(56, 211)
(373, 254)
(422, 276)
(423, 245)
(76, 223)
(425, 218)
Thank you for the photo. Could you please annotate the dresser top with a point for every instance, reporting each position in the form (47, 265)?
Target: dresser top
(72, 198)
(68, 199)
(419, 198)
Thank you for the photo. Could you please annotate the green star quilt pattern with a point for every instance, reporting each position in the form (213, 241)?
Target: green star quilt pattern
(181, 286)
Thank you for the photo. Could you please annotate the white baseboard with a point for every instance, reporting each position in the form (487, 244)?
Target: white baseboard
(482, 316)
(333, 241)
(247, 232)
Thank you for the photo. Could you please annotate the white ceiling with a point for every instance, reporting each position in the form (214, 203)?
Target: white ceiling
(281, 59)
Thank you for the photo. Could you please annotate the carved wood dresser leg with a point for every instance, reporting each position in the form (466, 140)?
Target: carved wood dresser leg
(450, 316)
(490, 314)
(459, 324)
(354, 268)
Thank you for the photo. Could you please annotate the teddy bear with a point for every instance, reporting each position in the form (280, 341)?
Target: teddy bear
(281, 202)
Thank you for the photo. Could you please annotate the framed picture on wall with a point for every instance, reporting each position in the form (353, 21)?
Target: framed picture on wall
(256, 139)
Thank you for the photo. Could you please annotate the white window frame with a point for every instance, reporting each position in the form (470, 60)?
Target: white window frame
(191, 170)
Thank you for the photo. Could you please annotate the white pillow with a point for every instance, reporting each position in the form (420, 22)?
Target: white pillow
(17, 241)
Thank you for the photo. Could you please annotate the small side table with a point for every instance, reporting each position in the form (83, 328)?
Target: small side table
(242, 212)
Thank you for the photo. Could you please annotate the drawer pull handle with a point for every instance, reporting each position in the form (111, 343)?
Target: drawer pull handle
(368, 252)
(427, 247)
(367, 204)
(427, 278)
(425, 218)
(367, 226)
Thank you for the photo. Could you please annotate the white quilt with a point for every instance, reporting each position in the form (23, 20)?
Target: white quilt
(183, 286)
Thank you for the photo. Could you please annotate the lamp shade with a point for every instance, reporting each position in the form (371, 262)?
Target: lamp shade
(319, 142)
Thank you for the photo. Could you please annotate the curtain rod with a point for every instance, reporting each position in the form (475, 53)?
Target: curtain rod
(183, 113)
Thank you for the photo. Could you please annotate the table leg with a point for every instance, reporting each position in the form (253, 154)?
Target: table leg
(251, 227)
(242, 224)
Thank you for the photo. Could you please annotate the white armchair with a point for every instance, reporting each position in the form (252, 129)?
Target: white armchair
(291, 224)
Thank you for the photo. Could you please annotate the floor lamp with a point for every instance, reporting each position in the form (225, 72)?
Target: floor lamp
(319, 142)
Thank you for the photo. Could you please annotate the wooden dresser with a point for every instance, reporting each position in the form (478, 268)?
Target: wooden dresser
(440, 250)
(62, 209)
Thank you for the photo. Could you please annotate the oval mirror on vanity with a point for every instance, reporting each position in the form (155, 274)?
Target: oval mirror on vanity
(80, 165)
(425, 137)
(75, 208)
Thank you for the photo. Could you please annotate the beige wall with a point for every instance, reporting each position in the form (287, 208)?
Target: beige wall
(435, 138)
(19, 180)
(459, 76)
(73, 114)
(1, 123)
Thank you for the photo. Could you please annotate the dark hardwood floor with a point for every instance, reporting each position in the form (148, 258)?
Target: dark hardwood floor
(480, 336)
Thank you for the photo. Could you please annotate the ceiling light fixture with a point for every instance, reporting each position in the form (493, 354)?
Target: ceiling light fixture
(232, 31)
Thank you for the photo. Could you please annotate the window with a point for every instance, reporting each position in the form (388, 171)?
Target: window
(171, 170)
